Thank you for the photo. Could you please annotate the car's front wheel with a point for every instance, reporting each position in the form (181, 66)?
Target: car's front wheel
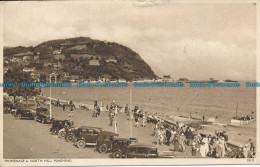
(103, 148)
(81, 144)
(70, 138)
(62, 134)
(117, 154)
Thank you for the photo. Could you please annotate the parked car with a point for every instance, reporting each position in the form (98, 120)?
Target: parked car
(71, 132)
(8, 106)
(141, 151)
(86, 136)
(104, 141)
(122, 144)
(24, 112)
(21, 104)
(43, 115)
(57, 125)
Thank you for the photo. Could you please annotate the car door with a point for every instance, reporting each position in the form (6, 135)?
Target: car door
(152, 153)
(90, 137)
(142, 152)
(132, 152)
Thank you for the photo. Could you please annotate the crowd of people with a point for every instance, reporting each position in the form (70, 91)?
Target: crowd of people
(178, 136)
(243, 118)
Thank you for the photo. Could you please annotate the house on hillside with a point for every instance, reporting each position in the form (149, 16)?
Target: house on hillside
(56, 52)
(27, 69)
(56, 66)
(59, 56)
(94, 62)
(23, 55)
(37, 57)
(78, 56)
(111, 60)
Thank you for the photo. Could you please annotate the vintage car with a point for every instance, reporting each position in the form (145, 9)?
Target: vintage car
(104, 141)
(8, 106)
(71, 132)
(122, 144)
(24, 112)
(141, 151)
(57, 125)
(43, 115)
(21, 104)
(86, 136)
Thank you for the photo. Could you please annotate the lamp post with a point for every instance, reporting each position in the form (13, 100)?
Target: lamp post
(50, 92)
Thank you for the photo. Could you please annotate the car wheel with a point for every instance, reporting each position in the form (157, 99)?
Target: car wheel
(81, 144)
(70, 138)
(43, 121)
(18, 116)
(54, 132)
(117, 154)
(62, 134)
(103, 148)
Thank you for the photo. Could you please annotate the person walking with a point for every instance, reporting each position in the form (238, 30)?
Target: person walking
(168, 136)
(144, 119)
(136, 121)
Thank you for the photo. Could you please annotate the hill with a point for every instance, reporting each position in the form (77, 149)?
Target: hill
(113, 60)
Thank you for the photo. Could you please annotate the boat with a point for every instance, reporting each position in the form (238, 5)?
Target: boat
(239, 121)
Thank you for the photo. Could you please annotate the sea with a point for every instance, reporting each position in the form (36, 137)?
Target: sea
(222, 103)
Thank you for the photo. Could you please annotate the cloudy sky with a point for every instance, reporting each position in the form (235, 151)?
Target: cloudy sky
(196, 41)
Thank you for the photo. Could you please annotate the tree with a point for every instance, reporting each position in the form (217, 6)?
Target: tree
(17, 76)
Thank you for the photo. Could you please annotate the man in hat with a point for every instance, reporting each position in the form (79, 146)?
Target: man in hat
(168, 136)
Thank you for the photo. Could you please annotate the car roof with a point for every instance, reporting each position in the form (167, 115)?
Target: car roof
(90, 127)
(8, 102)
(143, 145)
(124, 139)
(108, 133)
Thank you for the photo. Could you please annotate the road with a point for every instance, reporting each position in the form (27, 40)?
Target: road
(30, 139)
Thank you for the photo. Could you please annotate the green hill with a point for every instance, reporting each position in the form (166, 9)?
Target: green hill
(115, 61)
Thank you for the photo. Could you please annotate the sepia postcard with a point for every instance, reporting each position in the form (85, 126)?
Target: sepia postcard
(136, 82)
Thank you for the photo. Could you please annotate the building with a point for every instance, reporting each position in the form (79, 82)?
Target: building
(56, 52)
(94, 62)
(183, 80)
(59, 56)
(111, 60)
(167, 78)
(37, 57)
(78, 56)
(23, 55)
(27, 69)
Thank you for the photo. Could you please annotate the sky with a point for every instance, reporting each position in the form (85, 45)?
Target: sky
(192, 40)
